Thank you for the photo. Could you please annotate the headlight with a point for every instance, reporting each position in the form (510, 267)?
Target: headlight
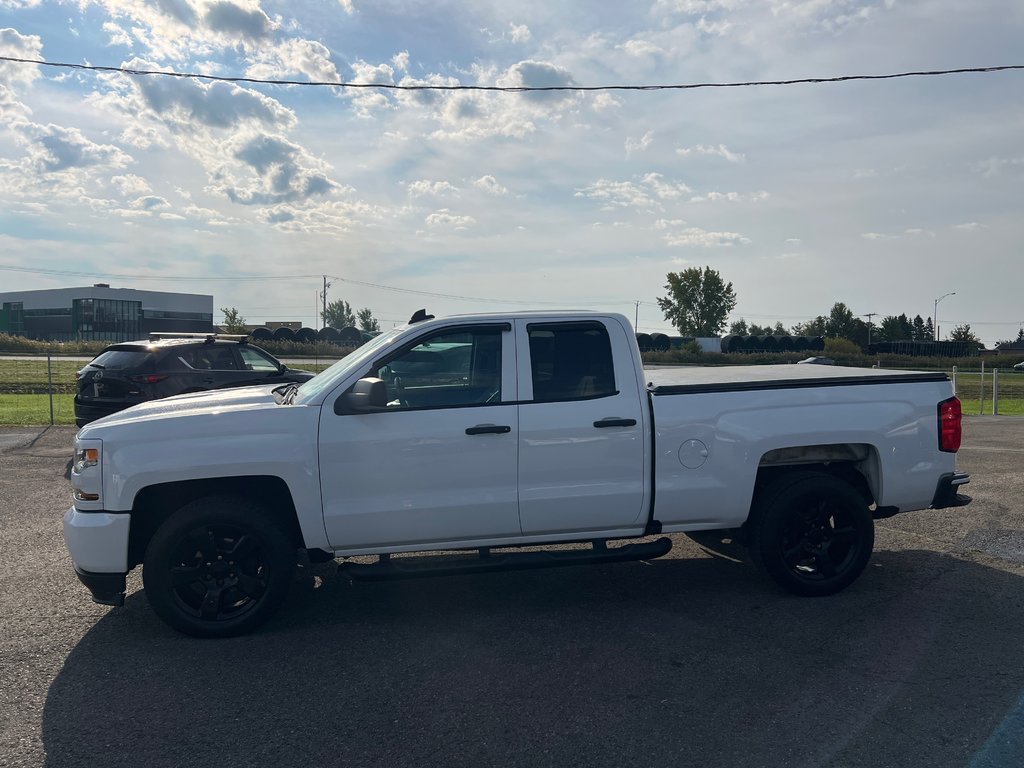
(85, 458)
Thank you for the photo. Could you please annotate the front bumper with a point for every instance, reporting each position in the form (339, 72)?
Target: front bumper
(98, 544)
(106, 588)
(946, 491)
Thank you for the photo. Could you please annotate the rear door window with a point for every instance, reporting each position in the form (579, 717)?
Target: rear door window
(214, 358)
(571, 361)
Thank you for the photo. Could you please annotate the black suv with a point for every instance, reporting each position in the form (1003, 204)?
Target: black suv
(133, 372)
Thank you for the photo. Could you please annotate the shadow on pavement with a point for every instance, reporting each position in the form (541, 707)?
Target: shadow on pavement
(677, 662)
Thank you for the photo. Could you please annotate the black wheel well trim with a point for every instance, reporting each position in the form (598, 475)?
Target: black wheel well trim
(156, 503)
(845, 470)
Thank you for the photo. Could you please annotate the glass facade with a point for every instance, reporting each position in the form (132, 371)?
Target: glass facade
(106, 319)
(12, 318)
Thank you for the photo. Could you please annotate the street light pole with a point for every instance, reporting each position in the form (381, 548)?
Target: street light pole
(935, 314)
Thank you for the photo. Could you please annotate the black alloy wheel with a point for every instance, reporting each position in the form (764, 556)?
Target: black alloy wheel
(813, 533)
(218, 567)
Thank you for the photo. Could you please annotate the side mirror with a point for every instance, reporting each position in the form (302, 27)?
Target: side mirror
(365, 396)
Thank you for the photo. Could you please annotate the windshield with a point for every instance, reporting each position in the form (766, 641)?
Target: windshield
(327, 379)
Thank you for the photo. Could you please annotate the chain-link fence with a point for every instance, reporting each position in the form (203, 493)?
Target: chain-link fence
(37, 390)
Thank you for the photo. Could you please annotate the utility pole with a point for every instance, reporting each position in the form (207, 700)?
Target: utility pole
(636, 316)
(323, 297)
(869, 315)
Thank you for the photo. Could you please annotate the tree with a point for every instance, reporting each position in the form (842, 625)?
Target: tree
(233, 321)
(929, 331)
(919, 330)
(815, 327)
(894, 328)
(367, 322)
(339, 315)
(739, 328)
(964, 333)
(699, 301)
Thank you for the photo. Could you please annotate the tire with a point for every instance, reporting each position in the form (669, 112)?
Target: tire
(812, 533)
(220, 566)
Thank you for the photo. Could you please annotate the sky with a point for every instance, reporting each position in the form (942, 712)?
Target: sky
(885, 195)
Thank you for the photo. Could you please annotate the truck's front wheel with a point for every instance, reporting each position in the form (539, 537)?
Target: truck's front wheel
(219, 566)
(812, 533)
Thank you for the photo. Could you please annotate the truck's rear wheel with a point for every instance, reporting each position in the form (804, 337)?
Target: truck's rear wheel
(219, 566)
(812, 533)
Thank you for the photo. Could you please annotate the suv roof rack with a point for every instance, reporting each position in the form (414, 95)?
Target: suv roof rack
(209, 338)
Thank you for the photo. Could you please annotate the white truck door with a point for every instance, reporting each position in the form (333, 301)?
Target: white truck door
(581, 429)
(440, 462)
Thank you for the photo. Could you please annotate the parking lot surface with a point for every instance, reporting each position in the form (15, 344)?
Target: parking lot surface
(689, 660)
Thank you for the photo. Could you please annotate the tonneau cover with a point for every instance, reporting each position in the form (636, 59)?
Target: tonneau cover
(737, 378)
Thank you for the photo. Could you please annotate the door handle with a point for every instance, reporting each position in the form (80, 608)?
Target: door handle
(488, 429)
(615, 423)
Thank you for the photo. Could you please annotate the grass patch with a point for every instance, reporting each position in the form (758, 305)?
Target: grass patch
(1006, 407)
(34, 410)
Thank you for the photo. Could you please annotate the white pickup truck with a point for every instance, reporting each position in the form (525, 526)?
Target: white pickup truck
(494, 433)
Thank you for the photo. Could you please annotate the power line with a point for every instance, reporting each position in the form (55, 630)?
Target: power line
(362, 283)
(510, 88)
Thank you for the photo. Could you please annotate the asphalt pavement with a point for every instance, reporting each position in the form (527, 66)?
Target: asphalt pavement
(689, 660)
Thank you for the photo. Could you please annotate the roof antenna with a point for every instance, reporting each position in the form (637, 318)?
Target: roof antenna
(419, 316)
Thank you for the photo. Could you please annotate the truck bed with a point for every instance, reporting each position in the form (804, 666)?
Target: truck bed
(738, 378)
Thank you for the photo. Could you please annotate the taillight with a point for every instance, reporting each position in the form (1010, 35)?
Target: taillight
(950, 431)
(149, 378)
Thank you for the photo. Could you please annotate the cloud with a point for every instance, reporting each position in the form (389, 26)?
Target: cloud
(970, 226)
(117, 35)
(130, 184)
(425, 187)
(347, 6)
(283, 172)
(182, 104)
(638, 145)
(538, 74)
(445, 218)
(994, 166)
(151, 203)
(19, 46)
(730, 197)
(646, 193)
(53, 148)
(640, 48)
(519, 33)
(710, 150)
(695, 237)
(231, 19)
(401, 61)
(295, 56)
(617, 194)
(490, 185)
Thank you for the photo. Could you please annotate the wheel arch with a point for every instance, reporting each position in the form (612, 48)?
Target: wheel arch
(155, 503)
(858, 464)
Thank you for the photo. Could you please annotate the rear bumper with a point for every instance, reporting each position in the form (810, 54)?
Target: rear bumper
(88, 410)
(946, 491)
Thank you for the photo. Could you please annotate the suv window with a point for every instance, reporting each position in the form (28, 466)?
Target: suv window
(120, 359)
(211, 357)
(447, 370)
(254, 361)
(570, 361)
